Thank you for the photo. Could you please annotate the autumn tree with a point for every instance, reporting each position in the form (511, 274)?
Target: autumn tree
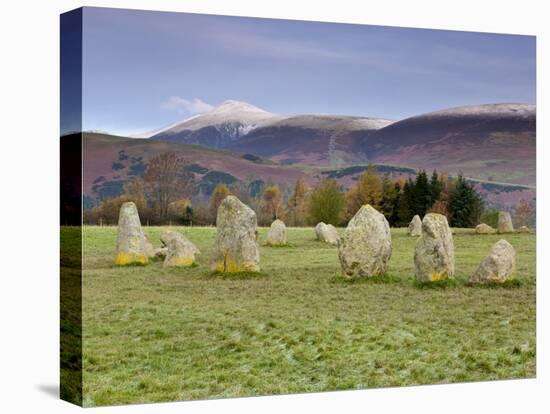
(368, 190)
(220, 192)
(167, 181)
(134, 190)
(272, 203)
(297, 204)
(326, 202)
(181, 211)
(389, 200)
(524, 213)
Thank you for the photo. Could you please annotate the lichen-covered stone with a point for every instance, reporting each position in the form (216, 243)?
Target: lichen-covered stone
(180, 251)
(485, 229)
(434, 253)
(277, 235)
(327, 233)
(498, 266)
(235, 248)
(167, 235)
(415, 227)
(132, 245)
(365, 248)
(505, 222)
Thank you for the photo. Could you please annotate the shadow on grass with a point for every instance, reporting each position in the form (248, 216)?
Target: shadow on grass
(235, 275)
(279, 246)
(508, 284)
(383, 279)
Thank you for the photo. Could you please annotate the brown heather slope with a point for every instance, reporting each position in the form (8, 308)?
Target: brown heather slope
(102, 159)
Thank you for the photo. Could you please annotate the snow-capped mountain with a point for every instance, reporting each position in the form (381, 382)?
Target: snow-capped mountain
(242, 127)
(218, 127)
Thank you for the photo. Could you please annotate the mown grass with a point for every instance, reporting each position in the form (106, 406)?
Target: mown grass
(154, 334)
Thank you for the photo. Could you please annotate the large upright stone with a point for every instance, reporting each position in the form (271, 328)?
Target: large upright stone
(276, 236)
(485, 229)
(365, 248)
(415, 226)
(235, 247)
(498, 266)
(326, 233)
(434, 254)
(132, 246)
(180, 251)
(505, 222)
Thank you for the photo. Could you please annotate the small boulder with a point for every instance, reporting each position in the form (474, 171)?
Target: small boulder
(277, 236)
(415, 227)
(485, 229)
(524, 229)
(180, 251)
(235, 248)
(498, 266)
(168, 235)
(505, 222)
(132, 244)
(365, 248)
(434, 253)
(327, 233)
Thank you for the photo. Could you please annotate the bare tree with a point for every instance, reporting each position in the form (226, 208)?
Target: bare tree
(168, 181)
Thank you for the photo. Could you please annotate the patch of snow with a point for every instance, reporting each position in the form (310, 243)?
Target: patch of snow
(500, 109)
(230, 111)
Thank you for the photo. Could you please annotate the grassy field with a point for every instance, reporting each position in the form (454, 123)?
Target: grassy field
(154, 334)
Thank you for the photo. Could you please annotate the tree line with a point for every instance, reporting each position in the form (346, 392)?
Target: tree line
(163, 196)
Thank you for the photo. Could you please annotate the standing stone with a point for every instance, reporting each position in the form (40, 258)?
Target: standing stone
(327, 233)
(318, 230)
(132, 246)
(485, 229)
(434, 254)
(498, 266)
(415, 226)
(365, 248)
(276, 236)
(235, 247)
(180, 251)
(505, 222)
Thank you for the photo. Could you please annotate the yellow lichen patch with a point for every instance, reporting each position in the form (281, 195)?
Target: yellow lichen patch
(230, 266)
(250, 267)
(123, 259)
(435, 276)
(218, 267)
(181, 262)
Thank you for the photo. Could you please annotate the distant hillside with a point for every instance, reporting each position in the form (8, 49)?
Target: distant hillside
(310, 139)
(109, 161)
(494, 142)
(489, 142)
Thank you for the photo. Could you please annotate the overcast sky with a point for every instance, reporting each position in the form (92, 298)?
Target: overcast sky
(143, 70)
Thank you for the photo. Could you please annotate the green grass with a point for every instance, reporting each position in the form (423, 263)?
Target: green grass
(154, 334)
